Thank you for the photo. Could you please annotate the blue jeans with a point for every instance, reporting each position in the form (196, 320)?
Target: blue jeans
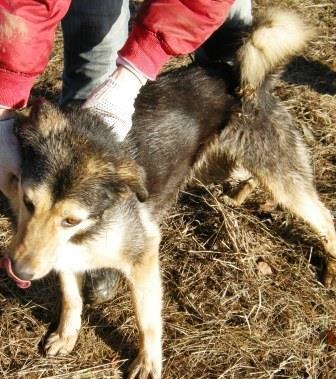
(94, 31)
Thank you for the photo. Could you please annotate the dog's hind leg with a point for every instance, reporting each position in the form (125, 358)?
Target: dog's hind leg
(146, 292)
(244, 190)
(214, 166)
(299, 196)
(63, 340)
(265, 142)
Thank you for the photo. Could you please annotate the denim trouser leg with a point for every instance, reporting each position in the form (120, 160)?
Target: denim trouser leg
(94, 31)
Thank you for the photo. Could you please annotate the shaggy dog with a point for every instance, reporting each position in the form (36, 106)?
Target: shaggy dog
(86, 201)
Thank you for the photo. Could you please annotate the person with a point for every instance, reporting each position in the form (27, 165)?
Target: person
(104, 67)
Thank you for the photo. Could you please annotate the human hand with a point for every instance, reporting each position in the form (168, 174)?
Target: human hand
(9, 158)
(114, 99)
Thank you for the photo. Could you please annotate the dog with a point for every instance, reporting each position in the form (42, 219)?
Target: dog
(86, 201)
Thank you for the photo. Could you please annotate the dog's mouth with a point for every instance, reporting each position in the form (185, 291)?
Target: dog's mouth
(6, 263)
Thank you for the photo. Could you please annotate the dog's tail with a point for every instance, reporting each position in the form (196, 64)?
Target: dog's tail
(275, 37)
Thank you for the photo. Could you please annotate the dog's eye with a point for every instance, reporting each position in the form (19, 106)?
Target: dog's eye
(28, 204)
(70, 221)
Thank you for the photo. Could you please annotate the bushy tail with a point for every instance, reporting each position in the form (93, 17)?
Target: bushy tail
(276, 36)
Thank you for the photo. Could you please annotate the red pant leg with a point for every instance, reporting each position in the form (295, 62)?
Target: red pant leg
(27, 31)
(166, 28)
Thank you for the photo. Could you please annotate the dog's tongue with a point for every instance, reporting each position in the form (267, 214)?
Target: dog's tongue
(6, 263)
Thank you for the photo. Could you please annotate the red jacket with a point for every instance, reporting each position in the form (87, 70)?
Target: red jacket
(163, 28)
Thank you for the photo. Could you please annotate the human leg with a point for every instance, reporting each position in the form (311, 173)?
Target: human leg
(93, 32)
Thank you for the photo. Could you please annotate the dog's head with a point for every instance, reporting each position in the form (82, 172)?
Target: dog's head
(73, 173)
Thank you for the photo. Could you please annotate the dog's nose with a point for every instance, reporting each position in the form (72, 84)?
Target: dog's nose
(21, 273)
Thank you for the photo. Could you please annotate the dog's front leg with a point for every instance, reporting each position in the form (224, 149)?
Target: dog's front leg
(63, 340)
(147, 298)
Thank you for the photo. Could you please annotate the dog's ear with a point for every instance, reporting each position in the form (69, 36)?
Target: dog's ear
(134, 177)
(45, 117)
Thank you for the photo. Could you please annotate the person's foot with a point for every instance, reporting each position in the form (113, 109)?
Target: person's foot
(101, 285)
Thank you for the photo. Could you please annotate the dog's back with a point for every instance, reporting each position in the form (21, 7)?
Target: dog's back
(174, 119)
(218, 114)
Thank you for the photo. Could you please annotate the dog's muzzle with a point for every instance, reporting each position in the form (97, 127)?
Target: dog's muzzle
(6, 263)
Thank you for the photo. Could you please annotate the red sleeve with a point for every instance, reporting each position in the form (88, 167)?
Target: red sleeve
(166, 28)
(27, 30)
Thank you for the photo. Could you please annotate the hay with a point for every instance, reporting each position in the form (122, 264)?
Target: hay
(242, 294)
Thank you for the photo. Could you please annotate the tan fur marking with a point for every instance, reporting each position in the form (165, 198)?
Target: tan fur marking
(98, 168)
(132, 175)
(47, 118)
(63, 340)
(305, 203)
(244, 191)
(147, 294)
(40, 233)
(40, 196)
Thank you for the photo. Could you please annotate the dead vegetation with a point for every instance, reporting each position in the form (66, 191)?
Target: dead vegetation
(242, 291)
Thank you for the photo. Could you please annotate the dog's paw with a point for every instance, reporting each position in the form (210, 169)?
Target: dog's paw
(59, 345)
(329, 275)
(230, 201)
(144, 368)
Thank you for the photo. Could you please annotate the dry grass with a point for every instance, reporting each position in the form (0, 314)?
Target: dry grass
(242, 295)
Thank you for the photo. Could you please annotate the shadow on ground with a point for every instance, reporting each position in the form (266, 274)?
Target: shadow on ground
(317, 75)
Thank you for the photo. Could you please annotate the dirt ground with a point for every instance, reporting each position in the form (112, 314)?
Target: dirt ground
(242, 295)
